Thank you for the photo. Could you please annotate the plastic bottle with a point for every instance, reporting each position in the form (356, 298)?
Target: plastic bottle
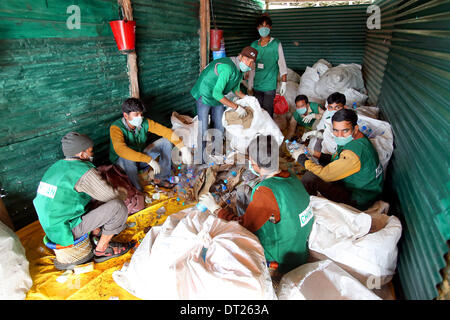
(354, 105)
(174, 179)
(201, 207)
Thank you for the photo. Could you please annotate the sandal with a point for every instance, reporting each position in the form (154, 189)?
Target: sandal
(101, 256)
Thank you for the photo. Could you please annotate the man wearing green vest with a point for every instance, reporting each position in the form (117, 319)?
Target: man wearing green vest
(279, 212)
(130, 150)
(64, 192)
(220, 77)
(353, 174)
(263, 80)
(306, 113)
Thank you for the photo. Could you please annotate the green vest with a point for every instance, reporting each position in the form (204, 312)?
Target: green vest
(136, 141)
(58, 205)
(208, 80)
(315, 109)
(367, 184)
(287, 241)
(266, 77)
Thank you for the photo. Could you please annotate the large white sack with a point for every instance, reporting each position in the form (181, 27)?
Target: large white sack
(321, 66)
(341, 233)
(196, 255)
(262, 124)
(322, 280)
(308, 83)
(339, 78)
(185, 127)
(15, 280)
(354, 96)
(291, 76)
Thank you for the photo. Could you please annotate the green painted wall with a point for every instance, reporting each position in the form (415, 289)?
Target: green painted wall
(336, 34)
(415, 99)
(168, 52)
(53, 80)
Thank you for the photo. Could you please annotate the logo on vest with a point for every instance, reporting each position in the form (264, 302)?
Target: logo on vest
(305, 216)
(378, 170)
(47, 190)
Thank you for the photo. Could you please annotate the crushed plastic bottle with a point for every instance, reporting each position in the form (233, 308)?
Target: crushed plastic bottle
(291, 146)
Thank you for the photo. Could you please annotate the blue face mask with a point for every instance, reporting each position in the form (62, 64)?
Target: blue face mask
(342, 141)
(244, 67)
(300, 111)
(264, 31)
(252, 170)
(136, 122)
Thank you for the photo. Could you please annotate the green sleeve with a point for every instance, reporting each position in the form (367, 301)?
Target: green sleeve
(224, 72)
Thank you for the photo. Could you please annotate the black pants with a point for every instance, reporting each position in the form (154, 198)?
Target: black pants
(334, 191)
(265, 99)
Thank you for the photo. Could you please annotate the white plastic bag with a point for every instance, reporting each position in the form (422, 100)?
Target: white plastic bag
(262, 124)
(339, 78)
(185, 127)
(321, 66)
(354, 96)
(341, 233)
(15, 280)
(322, 280)
(308, 83)
(291, 76)
(195, 255)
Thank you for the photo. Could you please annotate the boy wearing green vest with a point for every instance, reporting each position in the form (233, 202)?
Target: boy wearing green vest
(63, 194)
(263, 80)
(306, 113)
(353, 174)
(130, 150)
(279, 212)
(219, 78)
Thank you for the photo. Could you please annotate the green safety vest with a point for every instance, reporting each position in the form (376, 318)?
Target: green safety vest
(315, 109)
(365, 185)
(208, 80)
(266, 77)
(136, 141)
(58, 205)
(287, 241)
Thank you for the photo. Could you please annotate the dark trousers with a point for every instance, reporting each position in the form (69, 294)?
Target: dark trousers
(265, 99)
(334, 191)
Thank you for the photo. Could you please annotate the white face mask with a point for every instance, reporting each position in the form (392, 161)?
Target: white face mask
(136, 122)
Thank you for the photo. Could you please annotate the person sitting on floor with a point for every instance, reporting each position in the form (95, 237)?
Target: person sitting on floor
(306, 113)
(66, 189)
(279, 212)
(353, 174)
(129, 148)
(324, 129)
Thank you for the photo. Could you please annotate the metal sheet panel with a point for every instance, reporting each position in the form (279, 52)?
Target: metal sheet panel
(414, 98)
(167, 35)
(336, 34)
(53, 82)
(237, 18)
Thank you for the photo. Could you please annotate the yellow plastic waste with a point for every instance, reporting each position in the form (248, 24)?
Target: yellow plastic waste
(97, 284)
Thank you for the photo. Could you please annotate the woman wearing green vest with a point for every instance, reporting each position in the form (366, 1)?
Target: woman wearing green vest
(305, 115)
(353, 174)
(279, 212)
(219, 78)
(263, 80)
(62, 197)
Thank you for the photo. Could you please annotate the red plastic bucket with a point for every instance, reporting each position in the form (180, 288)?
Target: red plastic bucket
(280, 105)
(215, 39)
(124, 34)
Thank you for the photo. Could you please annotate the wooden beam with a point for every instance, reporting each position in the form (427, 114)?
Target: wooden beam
(203, 16)
(131, 56)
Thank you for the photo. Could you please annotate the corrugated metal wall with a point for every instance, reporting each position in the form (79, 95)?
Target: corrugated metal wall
(237, 19)
(167, 35)
(415, 99)
(53, 80)
(336, 34)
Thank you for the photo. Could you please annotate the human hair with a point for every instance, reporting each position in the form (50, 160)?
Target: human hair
(132, 105)
(301, 97)
(346, 115)
(337, 97)
(263, 19)
(264, 150)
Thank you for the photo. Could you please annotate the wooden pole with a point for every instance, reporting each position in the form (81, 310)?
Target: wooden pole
(132, 56)
(203, 34)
